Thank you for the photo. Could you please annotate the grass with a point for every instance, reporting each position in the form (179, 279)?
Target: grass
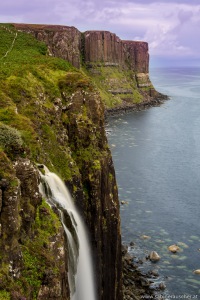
(54, 112)
(26, 52)
(30, 83)
(37, 258)
(4, 295)
(113, 78)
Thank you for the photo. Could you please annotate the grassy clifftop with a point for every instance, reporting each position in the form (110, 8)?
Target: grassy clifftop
(52, 114)
(33, 85)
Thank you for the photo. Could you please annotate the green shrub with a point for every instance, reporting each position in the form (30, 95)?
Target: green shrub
(10, 137)
(4, 295)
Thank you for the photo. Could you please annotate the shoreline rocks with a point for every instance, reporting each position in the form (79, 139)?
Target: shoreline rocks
(174, 248)
(136, 283)
(124, 108)
(154, 256)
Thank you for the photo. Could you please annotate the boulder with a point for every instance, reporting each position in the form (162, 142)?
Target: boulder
(154, 256)
(173, 248)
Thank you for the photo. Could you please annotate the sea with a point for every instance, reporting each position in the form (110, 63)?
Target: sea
(156, 154)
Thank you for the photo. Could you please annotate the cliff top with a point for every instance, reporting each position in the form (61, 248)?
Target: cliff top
(134, 42)
(41, 27)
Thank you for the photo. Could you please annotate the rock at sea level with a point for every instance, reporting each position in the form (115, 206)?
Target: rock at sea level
(173, 248)
(154, 256)
(197, 272)
(145, 237)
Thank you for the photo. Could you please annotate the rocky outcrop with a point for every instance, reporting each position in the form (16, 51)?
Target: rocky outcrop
(103, 47)
(58, 116)
(107, 58)
(107, 48)
(31, 264)
(62, 41)
(96, 46)
(64, 117)
(137, 56)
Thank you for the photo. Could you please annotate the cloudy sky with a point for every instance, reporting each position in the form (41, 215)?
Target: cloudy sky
(172, 28)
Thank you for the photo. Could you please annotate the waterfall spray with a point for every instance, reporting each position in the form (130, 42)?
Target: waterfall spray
(80, 274)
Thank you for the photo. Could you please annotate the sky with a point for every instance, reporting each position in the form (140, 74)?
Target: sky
(172, 28)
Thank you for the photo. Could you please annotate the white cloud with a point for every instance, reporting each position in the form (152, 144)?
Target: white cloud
(163, 24)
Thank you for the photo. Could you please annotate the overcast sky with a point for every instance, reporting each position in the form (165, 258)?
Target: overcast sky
(172, 28)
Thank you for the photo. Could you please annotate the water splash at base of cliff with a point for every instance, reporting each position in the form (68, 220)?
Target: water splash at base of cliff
(80, 268)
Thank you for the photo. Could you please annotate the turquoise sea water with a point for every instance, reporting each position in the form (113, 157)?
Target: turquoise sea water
(156, 154)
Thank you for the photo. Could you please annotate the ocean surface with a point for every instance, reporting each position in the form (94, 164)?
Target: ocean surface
(156, 154)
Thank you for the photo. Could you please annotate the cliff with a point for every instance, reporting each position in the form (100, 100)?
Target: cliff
(55, 83)
(119, 69)
(52, 114)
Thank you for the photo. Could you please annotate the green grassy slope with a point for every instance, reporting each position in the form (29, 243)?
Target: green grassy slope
(31, 84)
(36, 97)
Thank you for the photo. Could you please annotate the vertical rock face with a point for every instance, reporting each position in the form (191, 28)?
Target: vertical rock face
(120, 68)
(24, 241)
(137, 56)
(100, 205)
(62, 41)
(103, 47)
(69, 126)
(96, 46)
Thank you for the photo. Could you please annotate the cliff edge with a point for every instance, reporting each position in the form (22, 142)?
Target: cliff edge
(118, 68)
(52, 83)
(51, 113)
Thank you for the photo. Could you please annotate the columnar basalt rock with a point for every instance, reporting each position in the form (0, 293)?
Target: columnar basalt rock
(99, 205)
(103, 47)
(137, 56)
(107, 48)
(95, 46)
(67, 119)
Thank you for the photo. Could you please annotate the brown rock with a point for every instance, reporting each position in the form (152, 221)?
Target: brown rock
(103, 47)
(137, 55)
(154, 256)
(173, 248)
(62, 41)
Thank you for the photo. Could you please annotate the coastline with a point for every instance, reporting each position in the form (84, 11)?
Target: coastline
(137, 284)
(148, 103)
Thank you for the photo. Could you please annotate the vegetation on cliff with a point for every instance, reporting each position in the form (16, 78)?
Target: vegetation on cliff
(51, 113)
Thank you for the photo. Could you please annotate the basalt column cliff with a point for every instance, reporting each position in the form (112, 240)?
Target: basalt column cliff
(52, 114)
(120, 69)
(52, 83)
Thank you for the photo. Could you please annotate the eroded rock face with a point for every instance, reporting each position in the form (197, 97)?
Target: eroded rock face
(137, 56)
(96, 46)
(62, 41)
(20, 215)
(99, 204)
(77, 118)
(103, 47)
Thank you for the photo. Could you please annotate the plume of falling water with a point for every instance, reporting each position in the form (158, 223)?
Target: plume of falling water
(80, 267)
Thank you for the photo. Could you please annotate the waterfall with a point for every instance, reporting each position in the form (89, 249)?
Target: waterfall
(80, 269)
